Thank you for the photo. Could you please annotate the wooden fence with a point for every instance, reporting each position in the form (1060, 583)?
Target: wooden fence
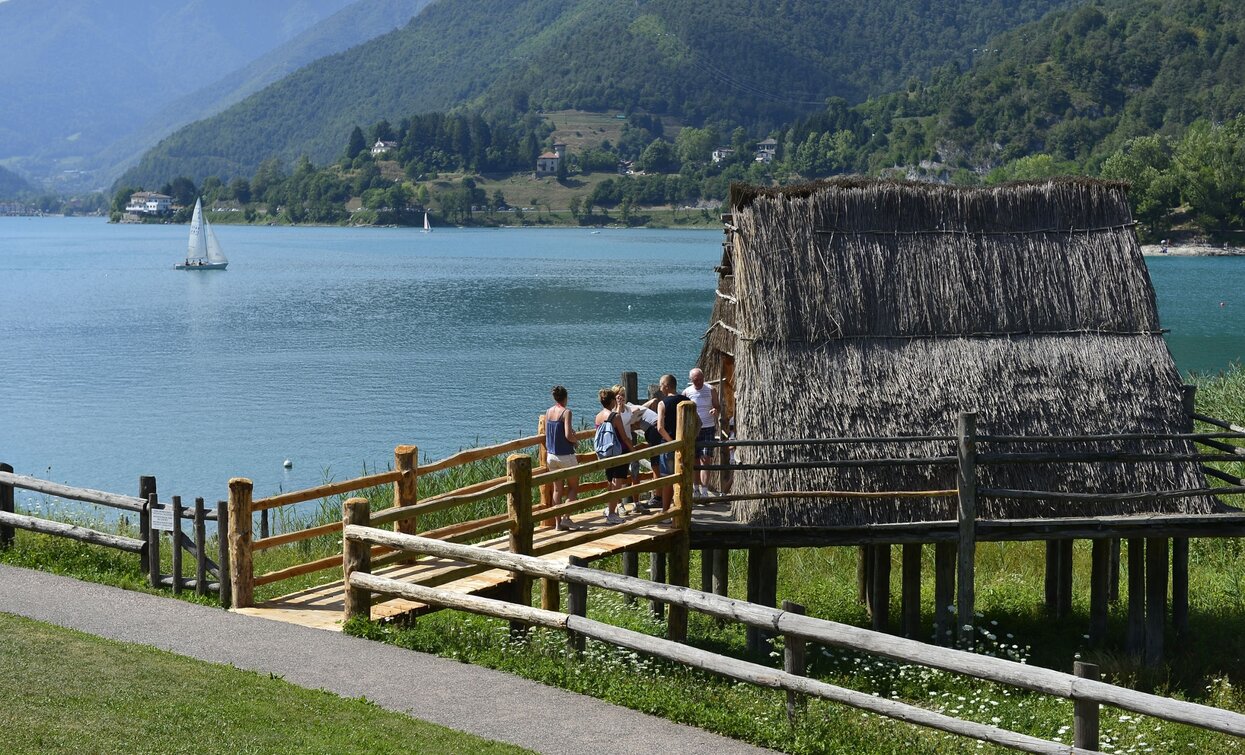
(1083, 688)
(154, 518)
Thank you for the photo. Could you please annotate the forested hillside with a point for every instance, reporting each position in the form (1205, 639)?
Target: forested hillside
(12, 185)
(756, 64)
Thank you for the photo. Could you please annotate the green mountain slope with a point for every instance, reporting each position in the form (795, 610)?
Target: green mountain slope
(12, 185)
(756, 63)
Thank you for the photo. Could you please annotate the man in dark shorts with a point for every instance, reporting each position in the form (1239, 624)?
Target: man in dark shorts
(707, 410)
(667, 425)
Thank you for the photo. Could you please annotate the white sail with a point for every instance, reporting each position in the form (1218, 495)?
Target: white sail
(197, 248)
(427, 227)
(214, 254)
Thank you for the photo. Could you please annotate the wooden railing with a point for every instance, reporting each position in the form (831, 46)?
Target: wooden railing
(146, 547)
(1083, 689)
(405, 514)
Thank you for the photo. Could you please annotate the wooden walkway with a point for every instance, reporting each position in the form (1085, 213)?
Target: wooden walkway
(323, 607)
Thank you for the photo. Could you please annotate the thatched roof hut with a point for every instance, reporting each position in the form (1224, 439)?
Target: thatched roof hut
(857, 307)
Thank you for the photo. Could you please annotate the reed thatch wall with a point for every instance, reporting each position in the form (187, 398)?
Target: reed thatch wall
(870, 308)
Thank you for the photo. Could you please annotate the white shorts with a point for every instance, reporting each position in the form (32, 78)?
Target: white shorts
(560, 461)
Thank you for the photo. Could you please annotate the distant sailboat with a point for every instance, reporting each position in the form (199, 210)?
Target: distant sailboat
(204, 252)
(427, 228)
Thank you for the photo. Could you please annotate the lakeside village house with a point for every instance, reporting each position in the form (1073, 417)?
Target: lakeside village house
(148, 203)
(549, 162)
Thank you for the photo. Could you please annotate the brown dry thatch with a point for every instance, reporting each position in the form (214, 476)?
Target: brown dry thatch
(872, 308)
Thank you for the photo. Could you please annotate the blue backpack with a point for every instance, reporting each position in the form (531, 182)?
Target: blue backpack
(606, 442)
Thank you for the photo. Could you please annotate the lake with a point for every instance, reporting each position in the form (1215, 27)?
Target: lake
(329, 346)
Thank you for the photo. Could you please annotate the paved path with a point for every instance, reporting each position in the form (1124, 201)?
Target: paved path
(481, 701)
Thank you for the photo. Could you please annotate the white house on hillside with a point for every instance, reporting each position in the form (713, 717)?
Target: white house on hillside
(549, 162)
(149, 203)
(380, 147)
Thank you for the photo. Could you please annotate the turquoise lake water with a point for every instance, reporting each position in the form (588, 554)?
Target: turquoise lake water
(330, 346)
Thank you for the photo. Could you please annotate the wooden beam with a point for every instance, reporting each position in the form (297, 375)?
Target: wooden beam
(911, 590)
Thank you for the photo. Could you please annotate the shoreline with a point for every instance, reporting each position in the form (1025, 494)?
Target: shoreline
(1191, 250)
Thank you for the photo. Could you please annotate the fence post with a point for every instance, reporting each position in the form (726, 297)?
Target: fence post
(356, 557)
(967, 512)
(1085, 712)
(241, 570)
(519, 506)
(1099, 591)
(576, 605)
(1135, 636)
(177, 545)
(944, 592)
(721, 571)
(630, 568)
(146, 487)
(153, 544)
(680, 545)
(200, 548)
(793, 652)
(657, 573)
(1156, 598)
(406, 489)
(6, 505)
(880, 589)
(224, 586)
(910, 590)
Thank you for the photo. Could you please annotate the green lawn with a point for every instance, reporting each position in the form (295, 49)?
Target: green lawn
(64, 691)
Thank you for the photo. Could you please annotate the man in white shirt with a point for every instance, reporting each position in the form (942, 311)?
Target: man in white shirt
(707, 410)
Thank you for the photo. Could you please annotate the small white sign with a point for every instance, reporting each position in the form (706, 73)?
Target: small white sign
(162, 519)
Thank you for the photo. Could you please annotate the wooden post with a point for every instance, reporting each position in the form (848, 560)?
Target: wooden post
(1064, 608)
(911, 591)
(1085, 712)
(630, 381)
(630, 568)
(153, 544)
(1180, 585)
(1135, 636)
(793, 654)
(681, 514)
(967, 512)
(264, 532)
(1113, 576)
(1156, 598)
(406, 488)
(146, 486)
(944, 592)
(201, 547)
(721, 571)
(519, 506)
(880, 591)
(223, 577)
(177, 545)
(1099, 592)
(1051, 583)
(762, 590)
(576, 604)
(863, 561)
(356, 557)
(657, 573)
(241, 570)
(6, 505)
(706, 570)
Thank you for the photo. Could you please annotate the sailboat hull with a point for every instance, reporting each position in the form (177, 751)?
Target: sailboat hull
(203, 266)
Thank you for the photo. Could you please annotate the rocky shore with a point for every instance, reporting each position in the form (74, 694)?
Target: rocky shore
(1191, 250)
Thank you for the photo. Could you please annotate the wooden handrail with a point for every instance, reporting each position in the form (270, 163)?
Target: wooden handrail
(600, 465)
(1109, 497)
(828, 494)
(1218, 423)
(440, 503)
(583, 504)
(324, 491)
(297, 570)
(476, 454)
(71, 531)
(297, 536)
(116, 501)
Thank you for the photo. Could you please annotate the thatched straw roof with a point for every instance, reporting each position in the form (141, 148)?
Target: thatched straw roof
(871, 308)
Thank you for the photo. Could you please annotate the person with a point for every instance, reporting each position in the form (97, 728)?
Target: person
(645, 421)
(667, 426)
(560, 451)
(615, 475)
(707, 410)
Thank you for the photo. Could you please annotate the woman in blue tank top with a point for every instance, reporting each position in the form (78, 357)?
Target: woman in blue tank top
(560, 451)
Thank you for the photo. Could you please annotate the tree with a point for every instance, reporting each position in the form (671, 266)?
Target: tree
(658, 157)
(355, 144)
(1146, 163)
(696, 145)
(1210, 162)
(574, 207)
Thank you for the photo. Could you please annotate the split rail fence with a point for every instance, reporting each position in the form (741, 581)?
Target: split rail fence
(154, 519)
(1083, 688)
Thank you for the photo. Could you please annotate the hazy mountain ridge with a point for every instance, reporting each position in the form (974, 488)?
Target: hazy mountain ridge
(729, 62)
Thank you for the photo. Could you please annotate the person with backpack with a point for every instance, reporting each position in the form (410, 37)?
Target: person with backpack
(611, 439)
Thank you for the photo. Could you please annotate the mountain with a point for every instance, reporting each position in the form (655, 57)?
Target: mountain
(357, 23)
(1075, 86)
(80, 73)
(748, 62)
(12, 185)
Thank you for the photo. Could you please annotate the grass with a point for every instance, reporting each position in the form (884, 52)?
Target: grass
(64, 691)
(1208, 668)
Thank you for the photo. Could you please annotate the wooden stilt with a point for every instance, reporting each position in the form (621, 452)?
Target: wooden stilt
(1156, 599)
(881, 589)
(863, 561)
(1099, 592)
(1180, 586)
(706, 569)
(762, 590)
(657, 573)
(911, 610)
(1051, 583)
(944, 592)
(1064, 609)
(576, 604)
(1113, 572)
(1135, 637)
(630, 568)
(966, 513)
(721, 571)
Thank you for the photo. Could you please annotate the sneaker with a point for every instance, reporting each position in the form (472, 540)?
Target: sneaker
(642, 508)
(566, 525)
(613, 519)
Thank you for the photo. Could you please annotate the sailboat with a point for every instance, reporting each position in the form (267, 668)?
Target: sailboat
(427, 228)
(204, 252)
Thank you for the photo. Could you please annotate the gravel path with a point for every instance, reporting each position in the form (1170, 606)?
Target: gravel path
(468, 698)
